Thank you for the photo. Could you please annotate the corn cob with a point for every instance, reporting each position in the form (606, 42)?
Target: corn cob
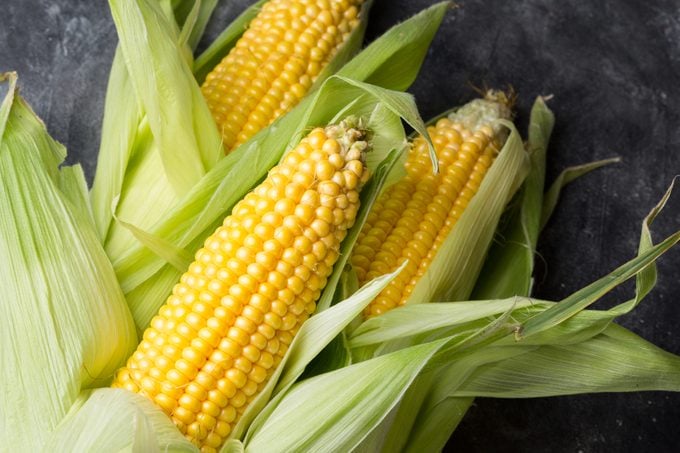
(412, 217)
(275, 63)
(233, 315)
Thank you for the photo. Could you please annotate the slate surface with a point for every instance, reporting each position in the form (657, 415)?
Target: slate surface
(614, 70)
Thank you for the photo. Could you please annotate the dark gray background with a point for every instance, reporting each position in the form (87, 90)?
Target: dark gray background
(614, 70)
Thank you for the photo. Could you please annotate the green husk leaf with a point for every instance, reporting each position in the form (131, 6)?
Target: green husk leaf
(591, 293)
(120, 128)
(393, 432)
(117, 420)
(179, 258)
(176, 140)
(187, 28)
(194, 21)
(123, 133)
(435, 426)
(509, 265)
(440, 412)
(419, 319)
(382, 63)
(382, 116)
(73, 185)
(8, 84)
(568, 175)
(64, 325)
(192, 16)
(585, 324)
(646, 279)
(615, 361)
(174, 113)
(443, 376)
(233, 446)
(340, 408)
(143, 183)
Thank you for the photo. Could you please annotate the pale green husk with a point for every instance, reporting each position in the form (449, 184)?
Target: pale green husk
(509, 267)
(169, 139)
(64, 323)
(117, 420)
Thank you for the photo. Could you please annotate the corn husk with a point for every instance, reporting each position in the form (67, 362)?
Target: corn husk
(171, 139)
(154, 241)
(116, 420)
(64, 323)
(513, 347)
(509, 267)
(398, 382)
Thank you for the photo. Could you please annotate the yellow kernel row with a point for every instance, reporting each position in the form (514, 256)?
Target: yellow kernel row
(275, 63)
(410, 221)
(234, 313)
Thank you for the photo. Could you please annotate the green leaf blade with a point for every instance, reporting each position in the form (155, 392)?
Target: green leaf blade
(64, 322)
(509, 266)
(615, 361)
(117, 420)
(342, 407)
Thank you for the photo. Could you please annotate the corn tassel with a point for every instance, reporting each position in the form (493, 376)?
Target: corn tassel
(234, 313)
(412, 218)
(275, 63)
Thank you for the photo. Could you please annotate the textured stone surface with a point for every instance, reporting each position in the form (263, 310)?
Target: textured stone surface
(613, 68)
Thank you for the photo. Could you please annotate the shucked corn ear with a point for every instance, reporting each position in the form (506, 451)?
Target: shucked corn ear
(275, 63)
(232, 316)
(412, 217)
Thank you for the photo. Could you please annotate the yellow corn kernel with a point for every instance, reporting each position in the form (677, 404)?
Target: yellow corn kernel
(227, 333)
(275, 63)
(412, 218)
